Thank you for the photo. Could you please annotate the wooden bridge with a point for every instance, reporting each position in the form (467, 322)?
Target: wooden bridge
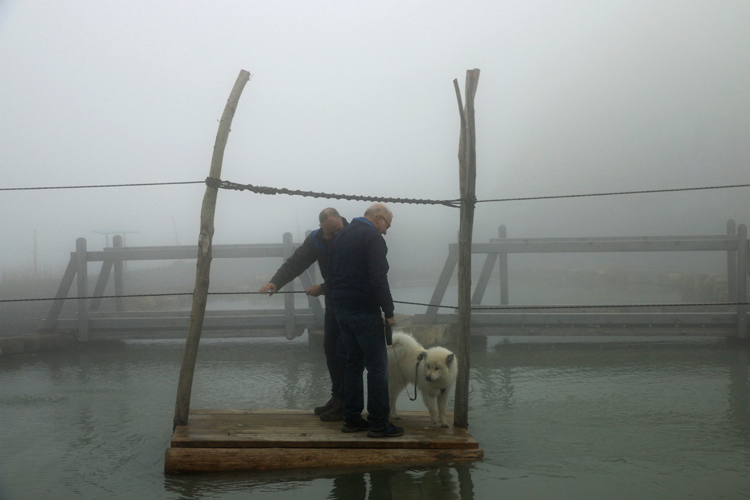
(722, 321)
(289, 322)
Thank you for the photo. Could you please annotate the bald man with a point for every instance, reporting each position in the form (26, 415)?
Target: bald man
(316, 247)
(360, 291)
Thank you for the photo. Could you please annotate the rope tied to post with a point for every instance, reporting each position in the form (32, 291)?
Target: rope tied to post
(221, 184)
(470, 202)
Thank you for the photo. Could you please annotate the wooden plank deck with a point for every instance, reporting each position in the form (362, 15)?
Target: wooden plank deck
(260, 440)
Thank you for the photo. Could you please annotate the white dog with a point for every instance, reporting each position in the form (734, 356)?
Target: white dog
(433, 371)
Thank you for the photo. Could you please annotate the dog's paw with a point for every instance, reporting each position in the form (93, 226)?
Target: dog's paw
(444, 424)
(394, 416)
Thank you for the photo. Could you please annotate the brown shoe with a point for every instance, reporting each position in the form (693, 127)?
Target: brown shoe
(335, 414)
(319, 410)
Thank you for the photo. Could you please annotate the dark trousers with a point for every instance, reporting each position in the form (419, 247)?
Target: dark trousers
(334, 351)
(364, 343)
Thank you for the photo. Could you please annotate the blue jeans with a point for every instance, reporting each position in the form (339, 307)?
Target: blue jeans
(334, 351)
(364, 342)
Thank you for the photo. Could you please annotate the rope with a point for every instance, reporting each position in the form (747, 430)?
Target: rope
(218, 183)
(139, 295)
(101, 186)
(474, 308)
(507, 307)
(398, 363)
(617, 193)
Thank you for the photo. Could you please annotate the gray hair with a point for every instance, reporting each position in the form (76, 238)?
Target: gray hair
(378, 209)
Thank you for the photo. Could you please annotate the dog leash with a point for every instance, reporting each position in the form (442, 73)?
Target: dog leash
(388, 332)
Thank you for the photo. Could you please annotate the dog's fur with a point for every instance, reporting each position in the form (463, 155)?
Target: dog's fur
(435, 376)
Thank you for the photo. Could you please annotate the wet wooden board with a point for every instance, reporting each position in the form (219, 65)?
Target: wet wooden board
(195, 460)
(303, 429)
(262, 440)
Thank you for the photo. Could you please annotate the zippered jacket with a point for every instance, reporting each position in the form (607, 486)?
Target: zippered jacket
(359, 269)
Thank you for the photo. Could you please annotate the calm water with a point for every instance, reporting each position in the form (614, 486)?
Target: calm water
(600, 419)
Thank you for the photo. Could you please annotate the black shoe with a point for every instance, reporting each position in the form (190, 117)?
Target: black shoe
(390, 432)
(319, 410)
(335, 414)
(362, 425)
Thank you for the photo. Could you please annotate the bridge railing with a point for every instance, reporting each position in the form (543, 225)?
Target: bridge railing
(497, 250)
(292, 321)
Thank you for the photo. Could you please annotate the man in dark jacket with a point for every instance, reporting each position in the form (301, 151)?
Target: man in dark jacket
(359, 287)
(316, 247)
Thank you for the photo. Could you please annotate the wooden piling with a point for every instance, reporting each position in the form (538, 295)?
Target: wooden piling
(119, 276)
(467, 162)
(83, 304)
(287, 244)
(200, 293)
(502, 233)
(731, 265)
(742, 281)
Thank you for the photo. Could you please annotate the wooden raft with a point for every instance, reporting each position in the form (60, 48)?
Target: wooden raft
(262, 440)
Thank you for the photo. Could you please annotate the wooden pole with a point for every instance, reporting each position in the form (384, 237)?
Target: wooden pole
(467, 163)
(289, 326)
(119, 276)
(83, 278)
(503, 233)
(742, 281)
(200, 293)
(36, 254)
(732, 265)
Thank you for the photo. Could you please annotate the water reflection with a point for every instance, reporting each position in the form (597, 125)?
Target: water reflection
(739, 393)
(555, 420)
(439, 482)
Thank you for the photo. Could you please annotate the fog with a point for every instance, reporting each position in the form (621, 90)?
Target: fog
(357, 98)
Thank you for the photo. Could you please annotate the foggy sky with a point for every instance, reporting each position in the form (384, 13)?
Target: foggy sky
(357, 97)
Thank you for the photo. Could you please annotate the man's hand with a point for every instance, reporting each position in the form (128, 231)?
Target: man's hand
(268, 288)
(391, 321)
(315, 291)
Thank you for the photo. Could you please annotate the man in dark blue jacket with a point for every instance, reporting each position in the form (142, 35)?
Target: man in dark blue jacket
(316, 247)
(359, 287)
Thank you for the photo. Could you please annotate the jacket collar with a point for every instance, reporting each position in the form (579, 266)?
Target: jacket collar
(362, 219)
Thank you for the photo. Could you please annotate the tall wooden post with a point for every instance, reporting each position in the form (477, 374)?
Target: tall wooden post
(731, 265)
(289, 326)
(467, 163)
(742, 281)
(83, 278)
(503, 233)
(200, 293)
(119, 276)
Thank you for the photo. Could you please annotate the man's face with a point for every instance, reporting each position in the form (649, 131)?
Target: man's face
(331, 226)
(384, 223)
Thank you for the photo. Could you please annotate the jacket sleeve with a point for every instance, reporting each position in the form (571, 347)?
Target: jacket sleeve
(378, 270)
(301, 259)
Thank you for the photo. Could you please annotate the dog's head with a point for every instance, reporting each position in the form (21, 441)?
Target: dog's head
(438, 364)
